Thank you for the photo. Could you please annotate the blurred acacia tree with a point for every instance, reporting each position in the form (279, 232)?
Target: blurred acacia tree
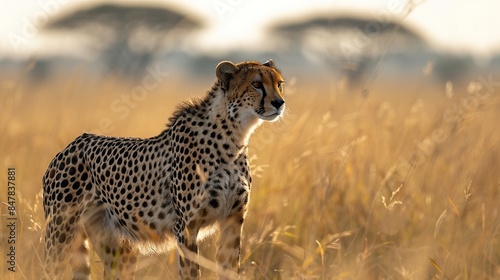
(350, 44)
(127, 38)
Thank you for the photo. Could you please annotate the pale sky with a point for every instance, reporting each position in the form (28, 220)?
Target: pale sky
(458, 25)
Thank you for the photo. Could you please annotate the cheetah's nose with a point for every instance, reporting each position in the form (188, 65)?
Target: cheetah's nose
(277, 103)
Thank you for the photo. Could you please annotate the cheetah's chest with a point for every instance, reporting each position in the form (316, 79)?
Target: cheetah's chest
(227, 191)
(222, 193)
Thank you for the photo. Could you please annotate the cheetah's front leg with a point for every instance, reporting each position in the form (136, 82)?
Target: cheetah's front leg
(228, 247)
(188, 255)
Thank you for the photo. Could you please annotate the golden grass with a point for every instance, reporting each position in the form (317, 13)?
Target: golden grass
(392, 185)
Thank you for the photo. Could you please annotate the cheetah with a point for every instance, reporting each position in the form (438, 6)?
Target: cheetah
(132, 196)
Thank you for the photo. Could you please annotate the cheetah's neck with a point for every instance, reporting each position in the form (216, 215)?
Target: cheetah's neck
(241, 127)
(212, 112)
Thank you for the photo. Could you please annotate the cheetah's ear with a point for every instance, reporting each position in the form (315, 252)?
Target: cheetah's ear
(269, 63)
(225, 71)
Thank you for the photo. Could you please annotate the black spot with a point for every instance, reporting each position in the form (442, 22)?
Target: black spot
(235, 204)
(64, 183)
(78, 193)
(241, 191)
(214, 203)
(62, 238)
(52, 173)
(84, 177)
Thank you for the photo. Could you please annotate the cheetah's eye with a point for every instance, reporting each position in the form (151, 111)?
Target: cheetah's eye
(257, 85)
(280, 85)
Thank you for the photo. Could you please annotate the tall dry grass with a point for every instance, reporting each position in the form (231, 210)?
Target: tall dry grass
(385, 186)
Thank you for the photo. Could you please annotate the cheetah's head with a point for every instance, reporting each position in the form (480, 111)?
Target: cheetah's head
(254, 91)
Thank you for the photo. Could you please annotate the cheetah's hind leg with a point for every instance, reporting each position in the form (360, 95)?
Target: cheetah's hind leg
(118, 258)
(65, 244)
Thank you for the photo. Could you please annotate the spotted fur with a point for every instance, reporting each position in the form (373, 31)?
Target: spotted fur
(132, 196)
